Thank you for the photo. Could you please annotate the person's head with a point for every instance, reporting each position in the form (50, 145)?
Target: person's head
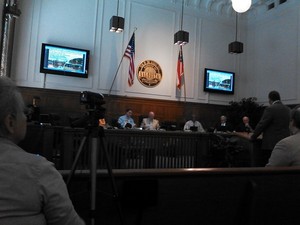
(223, 119)
(129, 112)
(193, 117)
(151, 115)
(245, 120)
(295, 119)
(274, 96)
(36, 101)
(12, 117)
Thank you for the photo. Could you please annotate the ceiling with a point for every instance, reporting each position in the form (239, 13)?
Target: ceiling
(224, 6)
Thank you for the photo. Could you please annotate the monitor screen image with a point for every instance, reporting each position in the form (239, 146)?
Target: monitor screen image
(218, 81)
(63, 60)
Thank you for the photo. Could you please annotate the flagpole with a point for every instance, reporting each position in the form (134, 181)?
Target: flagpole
(115, 75)
(184, 88)
(120, 64)
(183, 76)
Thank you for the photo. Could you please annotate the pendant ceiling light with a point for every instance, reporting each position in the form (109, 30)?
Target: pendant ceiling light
(236, 47)
(241, 6)
(117, 22)
(181, 37)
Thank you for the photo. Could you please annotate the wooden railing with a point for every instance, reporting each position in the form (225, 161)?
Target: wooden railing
(209, 196)
(135, 149)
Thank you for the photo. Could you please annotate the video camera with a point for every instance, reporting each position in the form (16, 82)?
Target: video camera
(93, 103)
(92, 100)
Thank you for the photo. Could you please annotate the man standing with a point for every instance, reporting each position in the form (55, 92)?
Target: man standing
(274, 125)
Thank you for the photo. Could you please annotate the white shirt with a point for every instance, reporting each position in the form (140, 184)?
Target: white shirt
(191, 123)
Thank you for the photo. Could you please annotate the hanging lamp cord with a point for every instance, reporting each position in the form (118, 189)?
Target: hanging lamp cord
(118, 9)
(181, 14)
(236, 25)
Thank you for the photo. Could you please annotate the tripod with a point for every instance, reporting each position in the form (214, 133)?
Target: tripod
(96, 134)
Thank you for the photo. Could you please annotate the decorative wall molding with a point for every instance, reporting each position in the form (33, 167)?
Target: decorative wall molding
(224, 7)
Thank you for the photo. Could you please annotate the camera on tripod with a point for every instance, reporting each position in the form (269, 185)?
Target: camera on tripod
(93, 103)
(92, 100)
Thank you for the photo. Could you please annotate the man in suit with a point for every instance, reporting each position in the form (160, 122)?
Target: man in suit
(274, 125)
(244, 126)
(287, 151)
(223, 125)
(150, 123)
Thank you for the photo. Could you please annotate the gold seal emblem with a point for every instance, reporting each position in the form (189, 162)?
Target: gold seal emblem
(149, 73)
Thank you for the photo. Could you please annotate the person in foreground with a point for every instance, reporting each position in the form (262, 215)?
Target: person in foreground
(287, 151)
(274, 125)
(32, 191)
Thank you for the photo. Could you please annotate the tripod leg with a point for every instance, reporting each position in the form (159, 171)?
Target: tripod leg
(74, 165)
(93, 173)
(113, 182)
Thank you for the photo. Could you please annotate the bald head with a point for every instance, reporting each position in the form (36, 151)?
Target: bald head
(246, 120)
(151, 115)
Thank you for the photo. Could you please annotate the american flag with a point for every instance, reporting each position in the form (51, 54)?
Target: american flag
(129, 53)
(180, 69)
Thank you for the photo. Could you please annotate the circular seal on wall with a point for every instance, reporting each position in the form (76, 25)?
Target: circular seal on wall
(149, 73)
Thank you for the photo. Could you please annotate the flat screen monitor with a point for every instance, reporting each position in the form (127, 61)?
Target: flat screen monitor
(62, 60)
(218, 81)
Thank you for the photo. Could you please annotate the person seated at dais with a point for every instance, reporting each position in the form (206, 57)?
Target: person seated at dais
(126, 121)
(32, 191)
(223, 125)
(33, 113)
(193, 125)
(244, 126)
(150, 123)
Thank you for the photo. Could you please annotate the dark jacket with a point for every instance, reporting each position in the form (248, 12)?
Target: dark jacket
(274, 125)
(225, 128)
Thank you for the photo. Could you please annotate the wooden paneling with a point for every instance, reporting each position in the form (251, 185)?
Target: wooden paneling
(66, 104)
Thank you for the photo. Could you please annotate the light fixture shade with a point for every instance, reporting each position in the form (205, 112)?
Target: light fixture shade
(236, 47)
(116, 24)
(241, 6)
(181, 37)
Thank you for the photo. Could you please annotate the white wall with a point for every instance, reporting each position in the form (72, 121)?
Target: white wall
(273, 54)
(270, 55)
